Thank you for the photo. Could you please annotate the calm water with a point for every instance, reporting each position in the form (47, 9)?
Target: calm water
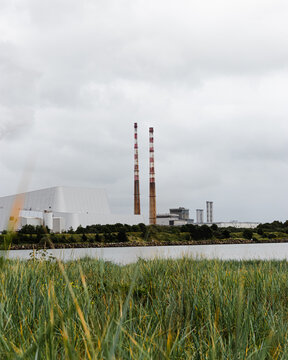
(131, 254)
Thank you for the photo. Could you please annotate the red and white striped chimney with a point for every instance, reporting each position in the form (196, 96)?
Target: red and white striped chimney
(152, 188)
(136, 174)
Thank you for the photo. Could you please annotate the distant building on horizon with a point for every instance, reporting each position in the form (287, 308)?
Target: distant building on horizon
(238, 224)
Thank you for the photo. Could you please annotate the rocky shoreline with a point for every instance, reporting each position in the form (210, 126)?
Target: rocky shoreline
(138, 244)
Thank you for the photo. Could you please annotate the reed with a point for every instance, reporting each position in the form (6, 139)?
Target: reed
(158, 309)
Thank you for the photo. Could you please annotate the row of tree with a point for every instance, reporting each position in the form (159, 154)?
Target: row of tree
(276, 226)
(119, 232)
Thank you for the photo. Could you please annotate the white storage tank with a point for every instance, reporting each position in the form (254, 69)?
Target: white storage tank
(48, 219)
(58, 224)
(72, 221)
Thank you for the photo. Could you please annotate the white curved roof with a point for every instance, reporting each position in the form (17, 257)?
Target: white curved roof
(62, 199)
(90, 205)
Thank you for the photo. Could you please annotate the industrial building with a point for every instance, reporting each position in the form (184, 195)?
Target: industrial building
(176, 217)
(182, 212)
(169, 220)
(61, 208)
(199, 216)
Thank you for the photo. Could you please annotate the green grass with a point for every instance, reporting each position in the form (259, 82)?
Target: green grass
(160, 309)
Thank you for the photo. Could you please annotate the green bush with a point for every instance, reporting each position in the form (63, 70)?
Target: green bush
(247, 234)
(122, 236)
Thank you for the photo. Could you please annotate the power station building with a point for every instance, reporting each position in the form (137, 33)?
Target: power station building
(61, 208)
(176, 217)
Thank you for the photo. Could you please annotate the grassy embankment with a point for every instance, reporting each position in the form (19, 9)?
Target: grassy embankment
(162, 309)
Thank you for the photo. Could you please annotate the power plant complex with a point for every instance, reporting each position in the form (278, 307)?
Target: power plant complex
(61, 208)
(180, 216)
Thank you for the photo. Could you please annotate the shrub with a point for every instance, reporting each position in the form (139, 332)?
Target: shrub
(214, 227)
(260, 231)
(203, 232)
(97, 238)
(122, 236)
(187, 237)
(247, 234)
(72, 239)
(226, 234)
(45, 241)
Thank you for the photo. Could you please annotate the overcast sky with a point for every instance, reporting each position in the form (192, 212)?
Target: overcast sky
(211, 77)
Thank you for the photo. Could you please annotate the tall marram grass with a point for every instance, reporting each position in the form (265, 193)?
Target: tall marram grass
(160, 309)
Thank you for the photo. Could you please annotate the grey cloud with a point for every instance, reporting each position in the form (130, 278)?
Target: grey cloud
(211, 77)
(17, 83)
(97, 44)
(16, 121)
(17, 93)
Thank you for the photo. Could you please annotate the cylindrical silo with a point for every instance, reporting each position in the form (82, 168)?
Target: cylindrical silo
(48, 219)
(72, 221)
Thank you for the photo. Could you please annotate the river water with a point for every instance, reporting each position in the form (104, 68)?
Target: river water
(127, 255)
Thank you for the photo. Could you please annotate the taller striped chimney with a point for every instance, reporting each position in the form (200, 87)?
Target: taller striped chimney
(136, 174)
(152, 207)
